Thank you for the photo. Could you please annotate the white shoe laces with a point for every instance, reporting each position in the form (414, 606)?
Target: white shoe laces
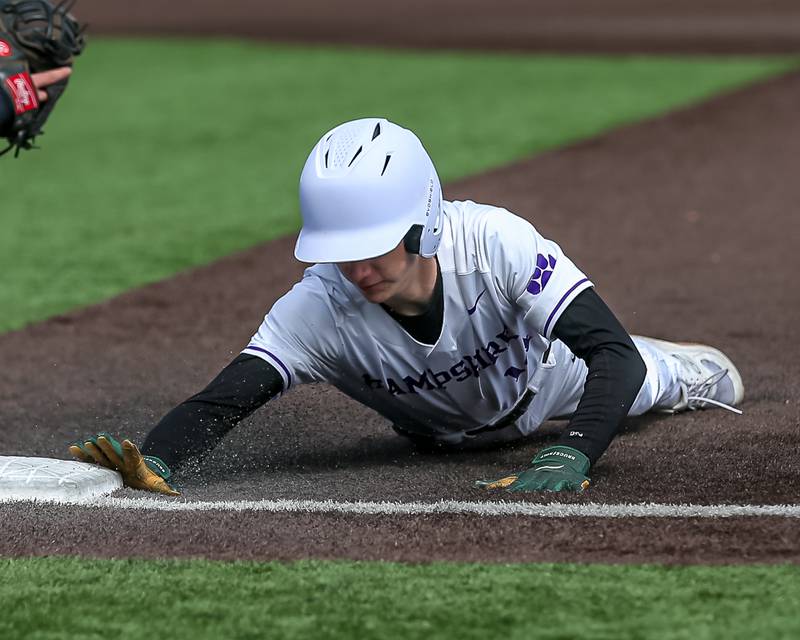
(694, 393)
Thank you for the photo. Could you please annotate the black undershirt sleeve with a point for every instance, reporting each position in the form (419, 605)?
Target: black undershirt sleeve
(193, 428)
(616, 372)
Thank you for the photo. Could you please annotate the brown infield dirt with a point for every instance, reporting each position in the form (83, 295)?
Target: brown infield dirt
(688, 225)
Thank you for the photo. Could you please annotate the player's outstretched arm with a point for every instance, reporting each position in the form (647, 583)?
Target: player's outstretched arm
(616, 373)
(190, 431)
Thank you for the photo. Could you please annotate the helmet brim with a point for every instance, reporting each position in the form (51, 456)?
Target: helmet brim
(348, 245)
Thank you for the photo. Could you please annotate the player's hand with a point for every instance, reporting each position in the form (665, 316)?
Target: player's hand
(44, 79)
(138, 472)
(555, 468)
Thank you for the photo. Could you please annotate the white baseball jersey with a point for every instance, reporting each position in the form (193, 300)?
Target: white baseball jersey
(504, 288)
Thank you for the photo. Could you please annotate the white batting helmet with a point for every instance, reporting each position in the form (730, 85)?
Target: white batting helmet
(364, 186)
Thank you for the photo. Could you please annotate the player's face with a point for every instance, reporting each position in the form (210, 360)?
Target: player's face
(383, 278)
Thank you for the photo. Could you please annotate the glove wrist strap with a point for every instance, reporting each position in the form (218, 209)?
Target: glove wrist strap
(559, 454)
(158, 466)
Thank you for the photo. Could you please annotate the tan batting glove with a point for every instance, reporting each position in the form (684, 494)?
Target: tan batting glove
(148, 473)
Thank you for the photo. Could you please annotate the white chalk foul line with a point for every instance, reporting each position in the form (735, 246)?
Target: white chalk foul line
(453, 507)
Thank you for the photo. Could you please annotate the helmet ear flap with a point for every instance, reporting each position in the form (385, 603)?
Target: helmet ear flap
(411, 240)
(432, 229)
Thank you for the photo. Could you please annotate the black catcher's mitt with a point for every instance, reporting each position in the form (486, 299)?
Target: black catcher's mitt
(35, 35)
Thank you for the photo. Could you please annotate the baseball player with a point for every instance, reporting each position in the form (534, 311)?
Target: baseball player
(456, 321)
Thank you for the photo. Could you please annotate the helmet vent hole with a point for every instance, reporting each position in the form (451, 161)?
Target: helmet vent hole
(386, 164)
(326, 158)
(355, 156)
(377, 131)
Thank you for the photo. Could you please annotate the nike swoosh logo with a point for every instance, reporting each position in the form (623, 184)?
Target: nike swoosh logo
(472, 309)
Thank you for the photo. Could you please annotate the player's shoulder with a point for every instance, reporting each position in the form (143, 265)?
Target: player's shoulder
(323, 285)
(308, 297)
(469, 212)
(473, 230)
(477, 222)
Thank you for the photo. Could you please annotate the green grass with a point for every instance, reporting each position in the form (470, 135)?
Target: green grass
(51, 598)
(164, 155)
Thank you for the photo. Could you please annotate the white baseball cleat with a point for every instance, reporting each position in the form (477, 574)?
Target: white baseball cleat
(706, 375)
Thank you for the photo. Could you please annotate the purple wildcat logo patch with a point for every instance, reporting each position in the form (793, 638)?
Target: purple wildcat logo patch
(541, 275)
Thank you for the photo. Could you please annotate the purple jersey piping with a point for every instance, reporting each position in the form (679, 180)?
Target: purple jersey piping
(560, 302)
(276, 359)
